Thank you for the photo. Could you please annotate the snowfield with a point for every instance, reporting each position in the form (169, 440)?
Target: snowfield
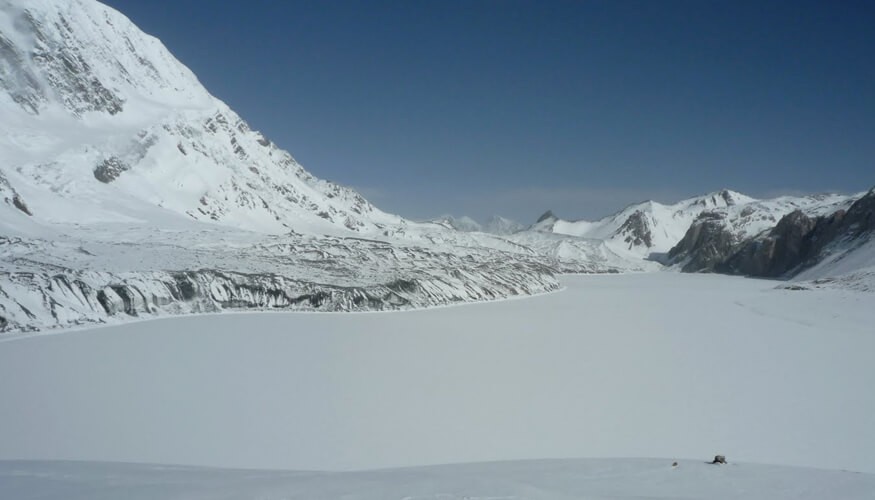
(640, 365)
(638, 479)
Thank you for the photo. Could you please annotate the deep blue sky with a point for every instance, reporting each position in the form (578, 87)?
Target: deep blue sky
(511, 108)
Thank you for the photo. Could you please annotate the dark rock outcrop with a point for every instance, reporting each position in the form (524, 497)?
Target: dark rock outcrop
(20, 204)
(11, 196)
(785, 247)
(546, 216)
(798, 241)
(110, 169)
(707, 243)
(636, 230)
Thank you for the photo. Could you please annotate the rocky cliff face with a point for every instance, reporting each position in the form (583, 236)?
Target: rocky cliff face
(707, 243)
(716, 235)
(799, 240)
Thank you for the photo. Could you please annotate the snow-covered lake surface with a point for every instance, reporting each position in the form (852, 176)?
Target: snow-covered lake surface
(615, 479)
(647, 365)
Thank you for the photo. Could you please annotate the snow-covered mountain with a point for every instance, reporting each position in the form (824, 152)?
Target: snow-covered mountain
(494, 225)
(821, 245)
(732, 233)
(715, 234)
(643, 228)
(126, 189)
(101, 123)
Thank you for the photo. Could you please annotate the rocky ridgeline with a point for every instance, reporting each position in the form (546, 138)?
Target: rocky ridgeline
(798, 241)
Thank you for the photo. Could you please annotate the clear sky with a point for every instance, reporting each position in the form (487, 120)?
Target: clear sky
(510, 108)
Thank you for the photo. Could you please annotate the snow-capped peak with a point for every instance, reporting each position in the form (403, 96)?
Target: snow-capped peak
(101, 123)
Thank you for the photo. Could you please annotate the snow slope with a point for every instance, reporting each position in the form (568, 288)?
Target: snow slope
(101, 123)
(638, 479)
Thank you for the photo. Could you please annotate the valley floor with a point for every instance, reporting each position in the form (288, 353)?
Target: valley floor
(649, 365)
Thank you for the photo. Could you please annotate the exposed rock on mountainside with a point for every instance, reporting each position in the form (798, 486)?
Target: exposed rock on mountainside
(108, 170)
(635, 231)
(644, 229)
(11, 197)
(718, 234)
(799, 241)
(707, 243)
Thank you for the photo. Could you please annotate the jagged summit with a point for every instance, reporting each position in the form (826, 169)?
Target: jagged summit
(547, 216)
(101, 123)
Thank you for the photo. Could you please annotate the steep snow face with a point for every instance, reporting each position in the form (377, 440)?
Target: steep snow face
(82, 57)
(644, 228)
(101, 123)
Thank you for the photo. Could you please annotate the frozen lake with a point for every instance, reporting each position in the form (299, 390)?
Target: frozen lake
(651, 365)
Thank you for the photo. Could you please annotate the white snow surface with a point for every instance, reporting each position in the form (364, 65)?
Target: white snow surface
(851, 268)
(638, 479)
(639, 365)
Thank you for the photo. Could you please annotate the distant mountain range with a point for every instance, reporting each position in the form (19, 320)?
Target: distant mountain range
(126, 189)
